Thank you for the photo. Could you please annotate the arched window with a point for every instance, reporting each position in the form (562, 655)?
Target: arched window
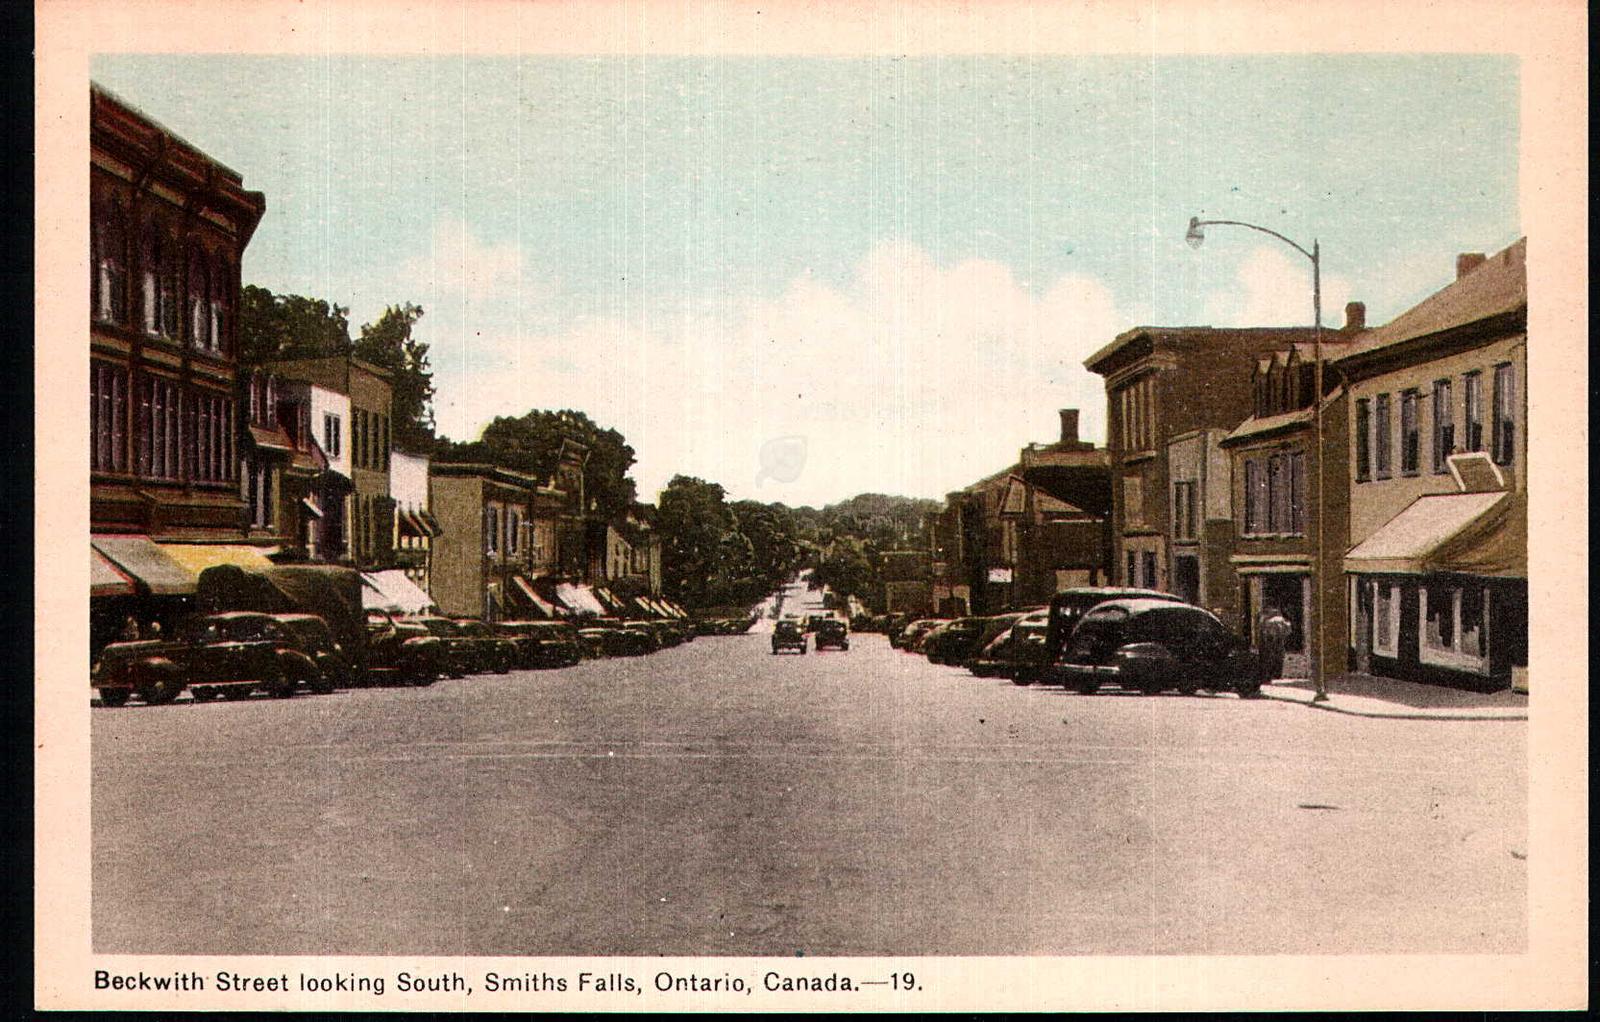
(113, 264)
(149, 274)
(169, 287)
(199, 295)
(221, 275)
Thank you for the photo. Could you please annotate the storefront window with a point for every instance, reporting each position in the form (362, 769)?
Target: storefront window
(1454, 626)
(1385, 619)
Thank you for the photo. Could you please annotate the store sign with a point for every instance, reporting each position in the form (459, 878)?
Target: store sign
(1000, 575)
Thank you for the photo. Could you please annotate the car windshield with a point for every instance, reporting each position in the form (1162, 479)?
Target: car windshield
(787, 628)
(474, 628)
(440, 626)
(249, 629)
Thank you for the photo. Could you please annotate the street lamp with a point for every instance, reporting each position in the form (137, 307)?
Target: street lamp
(1196, 237)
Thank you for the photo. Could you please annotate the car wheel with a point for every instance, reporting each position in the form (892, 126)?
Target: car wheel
(1188, 687)
(235, 693)
(1250, 691)
(114, 696)
(321, 684)
(282, 686)
(1087, 688)
(160, 690)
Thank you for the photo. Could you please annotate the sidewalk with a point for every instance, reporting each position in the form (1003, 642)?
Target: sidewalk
(1362, 695)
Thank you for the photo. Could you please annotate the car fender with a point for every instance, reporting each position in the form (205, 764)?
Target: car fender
(1145, 659)
(295, 664)
(147, 669)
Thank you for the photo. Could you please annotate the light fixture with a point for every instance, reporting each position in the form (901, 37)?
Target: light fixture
(1196, 236)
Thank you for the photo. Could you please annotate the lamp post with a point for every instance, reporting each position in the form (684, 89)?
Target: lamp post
(1196, 237)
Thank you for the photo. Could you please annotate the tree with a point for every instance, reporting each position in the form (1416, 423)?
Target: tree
(391, 344)
(532, 443)
(693, 519)
(289, 326)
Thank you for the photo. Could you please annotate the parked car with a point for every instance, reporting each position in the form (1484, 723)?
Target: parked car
(993, 628)
(788, 635)
(464, 653)
(1152, 646)
(912, 635)
(543, 643)
(605, 637)
(1015, 651)
(403, 651)
(492, 650)
(1066, 607)
(310, 635)
(954, 642)
(832, 634)
(230, 654)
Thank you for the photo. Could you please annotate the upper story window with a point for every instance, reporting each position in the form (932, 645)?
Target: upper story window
(513, 531)
(1363, 437)
(1410, 433)
(332, 434)
(1472, 407)
(1382, 438)
(1133, 500)
(221, 286)
(108, 413)
(1505, 422)
(200, 332)
(110, 258)
(1185, 516)
(1444, 425)
(156, 427)
(160, 274)
(1136, 406)
(491, 529)
(1275, 494)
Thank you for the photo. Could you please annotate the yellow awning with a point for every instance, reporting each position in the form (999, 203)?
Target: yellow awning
(197, 557)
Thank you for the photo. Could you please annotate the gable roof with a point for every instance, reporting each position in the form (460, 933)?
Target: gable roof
(1498, 285)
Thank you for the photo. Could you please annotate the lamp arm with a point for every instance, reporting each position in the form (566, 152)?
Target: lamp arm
(1264, 230)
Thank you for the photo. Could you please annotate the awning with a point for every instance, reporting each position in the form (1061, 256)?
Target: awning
(271, 438)
(141, 559)
(534, 600)
(1470, 533)
(105, 578)
(197, 557)
(311, 506)
(409, 526)
(580, 599)
(429, 522)
(403, 596)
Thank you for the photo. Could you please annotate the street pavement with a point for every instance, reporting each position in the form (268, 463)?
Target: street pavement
(716, 799)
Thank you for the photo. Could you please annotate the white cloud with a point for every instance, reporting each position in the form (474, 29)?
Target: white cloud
(1272, 287)
(909, 378)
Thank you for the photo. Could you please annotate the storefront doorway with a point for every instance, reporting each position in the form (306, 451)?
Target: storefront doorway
(1288, 594)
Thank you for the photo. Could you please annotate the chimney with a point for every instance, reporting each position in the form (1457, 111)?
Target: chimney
(1069, 425)
(1466, 262)
(1355, 316)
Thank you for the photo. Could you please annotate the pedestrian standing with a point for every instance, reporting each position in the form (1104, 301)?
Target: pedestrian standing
(1274, 630)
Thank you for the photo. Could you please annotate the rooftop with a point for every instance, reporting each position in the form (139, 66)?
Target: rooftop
(1498, 284)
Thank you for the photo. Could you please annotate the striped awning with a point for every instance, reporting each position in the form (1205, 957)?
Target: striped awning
(197, 557)
(534, 600)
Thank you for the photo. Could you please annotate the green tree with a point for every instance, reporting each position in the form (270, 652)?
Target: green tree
(391, 344)
(693, 519)
(532, 443)
(275, 326)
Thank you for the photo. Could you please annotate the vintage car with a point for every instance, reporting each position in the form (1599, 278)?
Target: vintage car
(230, 655)
(788, 635)
(605, 637)
(464, 654)
(993, 628)
(311, 636)
(832, 634)
(403, 651)
(1016, 651)
(1152, 646)
(954, 641)
(910, 639)
(543, 643)
(1066, 607)
(489, 650)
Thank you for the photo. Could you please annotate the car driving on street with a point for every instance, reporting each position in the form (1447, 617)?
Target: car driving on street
(788, 635)
(832, 634)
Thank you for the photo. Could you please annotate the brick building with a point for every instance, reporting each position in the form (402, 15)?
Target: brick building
(1169, 392)
(168, 227)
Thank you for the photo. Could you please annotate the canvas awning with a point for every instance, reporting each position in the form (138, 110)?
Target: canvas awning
(580, 599)
(312, 507)
(1470, 533)
(197, 557)
(143, 560)
(106, 579)
(402, 595)
(531, 596)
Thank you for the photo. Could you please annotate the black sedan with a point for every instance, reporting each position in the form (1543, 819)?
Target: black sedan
(1152, 646)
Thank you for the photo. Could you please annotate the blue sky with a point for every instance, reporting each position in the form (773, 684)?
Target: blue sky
(904, 261)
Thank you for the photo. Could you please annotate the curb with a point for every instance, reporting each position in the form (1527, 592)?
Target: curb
(1329, 707)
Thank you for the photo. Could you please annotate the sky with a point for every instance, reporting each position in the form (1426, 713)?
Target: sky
(806, 278)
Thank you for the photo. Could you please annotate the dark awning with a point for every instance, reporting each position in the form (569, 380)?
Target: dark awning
(410, 525)
(140, 558)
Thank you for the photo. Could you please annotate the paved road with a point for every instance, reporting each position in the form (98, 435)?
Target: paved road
(715, 799)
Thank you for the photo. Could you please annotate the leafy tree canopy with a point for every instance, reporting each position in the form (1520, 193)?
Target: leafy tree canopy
(532, 443)
(391, 344)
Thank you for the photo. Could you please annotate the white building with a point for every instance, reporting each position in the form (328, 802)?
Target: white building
(414, 524)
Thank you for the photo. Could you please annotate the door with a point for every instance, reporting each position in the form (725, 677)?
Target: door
(1186, 578)
(1287, 593)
